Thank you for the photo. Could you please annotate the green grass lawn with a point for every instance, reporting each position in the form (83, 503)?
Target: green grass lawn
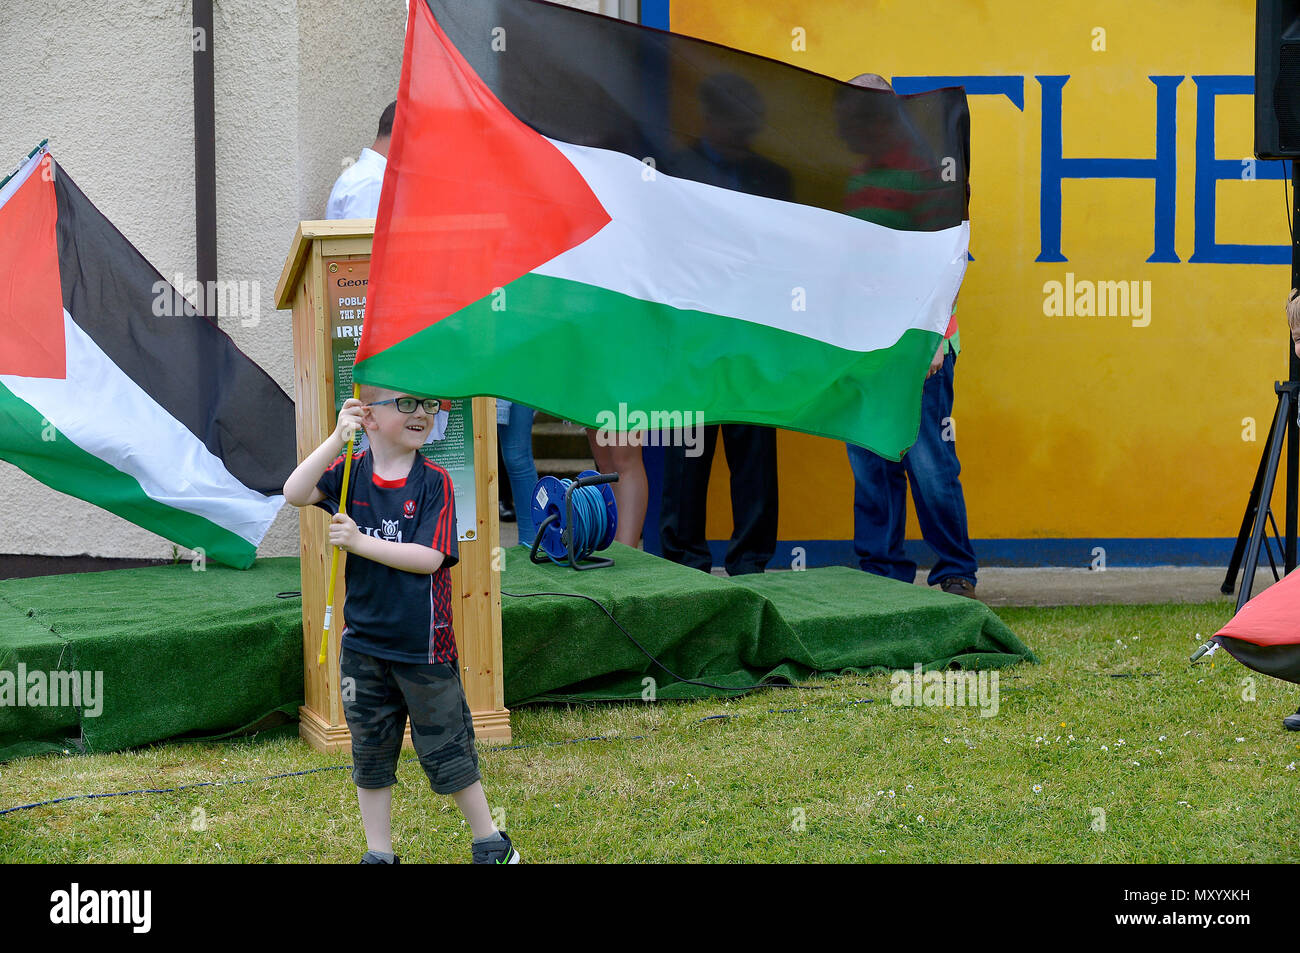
(1114, 720)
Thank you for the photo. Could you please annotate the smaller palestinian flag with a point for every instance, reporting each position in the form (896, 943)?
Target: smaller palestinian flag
(113, 389)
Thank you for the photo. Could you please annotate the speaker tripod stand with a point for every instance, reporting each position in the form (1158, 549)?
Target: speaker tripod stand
(1253, 535)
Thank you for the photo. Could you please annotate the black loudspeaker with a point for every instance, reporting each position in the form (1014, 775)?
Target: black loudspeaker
(1277, 79)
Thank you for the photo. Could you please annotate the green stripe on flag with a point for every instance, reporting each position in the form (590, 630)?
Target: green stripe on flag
(62, 465)
(576, 350)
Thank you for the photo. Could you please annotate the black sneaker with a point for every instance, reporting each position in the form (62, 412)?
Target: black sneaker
(1292, 722)
(496, 852)
(956, 586)
(370, 858)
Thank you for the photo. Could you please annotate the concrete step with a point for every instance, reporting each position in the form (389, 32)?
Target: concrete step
(558, 441)
(564, 468)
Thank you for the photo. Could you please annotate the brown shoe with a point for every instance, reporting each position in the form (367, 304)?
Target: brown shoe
(956, 586)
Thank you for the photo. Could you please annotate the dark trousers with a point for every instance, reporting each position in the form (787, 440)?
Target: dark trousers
(880, 495)
(751, 457)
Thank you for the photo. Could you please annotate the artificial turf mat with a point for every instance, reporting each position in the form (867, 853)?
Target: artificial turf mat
(729, 632)
(181, 652)
(212, 653)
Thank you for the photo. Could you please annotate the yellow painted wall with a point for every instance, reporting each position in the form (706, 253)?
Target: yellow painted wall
(1067, 427)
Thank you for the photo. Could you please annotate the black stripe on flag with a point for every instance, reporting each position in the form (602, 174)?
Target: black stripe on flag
(712, 114)
(186, 363)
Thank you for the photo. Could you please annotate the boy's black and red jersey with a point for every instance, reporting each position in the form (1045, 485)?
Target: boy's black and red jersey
(390, 613)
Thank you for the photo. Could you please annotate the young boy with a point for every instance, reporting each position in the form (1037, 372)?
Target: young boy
(399, 653)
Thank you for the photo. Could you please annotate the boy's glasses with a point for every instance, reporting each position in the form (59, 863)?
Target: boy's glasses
(407, 405)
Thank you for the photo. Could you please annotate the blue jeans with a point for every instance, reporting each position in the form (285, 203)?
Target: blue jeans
(517, 449)
(880, 495)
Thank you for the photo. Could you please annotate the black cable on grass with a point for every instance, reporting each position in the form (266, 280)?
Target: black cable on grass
(341, 767)
(175, 790)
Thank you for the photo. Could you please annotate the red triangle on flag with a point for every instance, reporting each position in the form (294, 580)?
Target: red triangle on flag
(31, 297)
(472, 199)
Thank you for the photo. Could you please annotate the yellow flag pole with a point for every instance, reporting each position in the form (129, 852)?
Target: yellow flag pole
(334, 558)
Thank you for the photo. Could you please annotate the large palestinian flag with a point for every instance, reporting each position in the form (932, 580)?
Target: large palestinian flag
(580, 213)
(114, 390)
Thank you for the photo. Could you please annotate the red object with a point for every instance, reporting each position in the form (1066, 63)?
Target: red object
(31, 296)
(1271, 618)
(1265, 634)
(439, 245)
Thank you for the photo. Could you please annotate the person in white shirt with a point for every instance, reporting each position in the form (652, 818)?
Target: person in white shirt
(356, 191)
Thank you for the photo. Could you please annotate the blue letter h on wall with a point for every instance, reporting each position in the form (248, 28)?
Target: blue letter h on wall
(1055, 167)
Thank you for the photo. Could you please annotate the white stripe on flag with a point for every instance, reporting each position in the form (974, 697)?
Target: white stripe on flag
(703, 248)
(106, 413)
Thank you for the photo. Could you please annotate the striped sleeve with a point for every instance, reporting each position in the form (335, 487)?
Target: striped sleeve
(330, 482)
(437, 527)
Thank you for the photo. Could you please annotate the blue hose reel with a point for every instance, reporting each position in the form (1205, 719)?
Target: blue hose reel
(575, 518)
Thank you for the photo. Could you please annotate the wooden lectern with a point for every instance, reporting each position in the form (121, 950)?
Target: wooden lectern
(324, 282)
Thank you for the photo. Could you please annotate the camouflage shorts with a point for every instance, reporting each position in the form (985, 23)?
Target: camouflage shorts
(378, 694)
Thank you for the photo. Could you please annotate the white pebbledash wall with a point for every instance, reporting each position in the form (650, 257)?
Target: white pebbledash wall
(300, 85)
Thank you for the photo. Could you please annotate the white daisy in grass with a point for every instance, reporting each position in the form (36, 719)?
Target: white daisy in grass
(1038, 789)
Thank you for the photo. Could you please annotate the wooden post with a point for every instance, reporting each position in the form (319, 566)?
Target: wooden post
(321, 254)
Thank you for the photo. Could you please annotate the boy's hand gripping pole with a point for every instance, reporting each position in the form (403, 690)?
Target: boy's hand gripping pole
(334, 557)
